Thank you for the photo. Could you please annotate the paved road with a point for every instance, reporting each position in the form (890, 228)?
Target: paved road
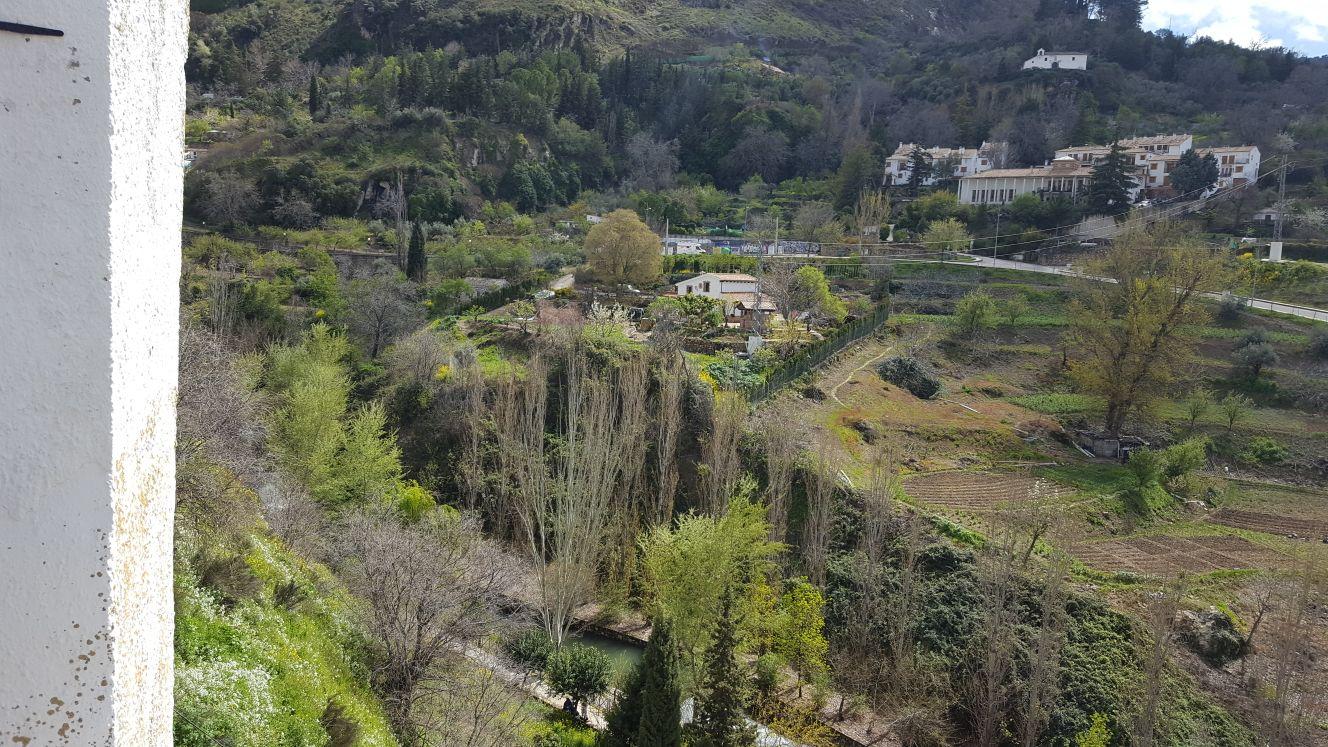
(1305, 312)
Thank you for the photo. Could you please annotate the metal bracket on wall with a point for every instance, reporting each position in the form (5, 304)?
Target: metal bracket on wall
(26, 30)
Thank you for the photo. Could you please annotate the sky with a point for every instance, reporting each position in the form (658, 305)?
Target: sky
(1301, 25)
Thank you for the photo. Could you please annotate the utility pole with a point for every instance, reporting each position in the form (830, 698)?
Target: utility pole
(997, 245)
(776, 249)
(1281, 201)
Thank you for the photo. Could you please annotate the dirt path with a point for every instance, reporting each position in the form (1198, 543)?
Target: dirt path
(834, 393)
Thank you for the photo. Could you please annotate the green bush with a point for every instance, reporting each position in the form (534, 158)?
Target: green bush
(530, 648)
(911, 374)
(1264, 450)
(578, 671)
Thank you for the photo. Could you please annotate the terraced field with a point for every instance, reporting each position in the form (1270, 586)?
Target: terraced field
(1169, 556)
(982, 491)
(1285, 526)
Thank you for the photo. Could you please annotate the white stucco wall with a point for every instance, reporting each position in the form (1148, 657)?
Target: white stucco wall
(90, 205)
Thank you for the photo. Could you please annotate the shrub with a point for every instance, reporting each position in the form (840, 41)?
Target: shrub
(530, 648)
(1230, 308)
(733, 374)
(1264, 450)
(1318, 346)
(578, 671)
(1255, 357)
(1253, 337)
(974, 313)
(911, 374)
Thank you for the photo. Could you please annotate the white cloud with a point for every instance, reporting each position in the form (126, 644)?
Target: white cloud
(1244, 22)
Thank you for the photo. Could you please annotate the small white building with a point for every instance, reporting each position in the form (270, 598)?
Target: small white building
(740, 294)
(959, 162)
(717, 285)
(1045, 60)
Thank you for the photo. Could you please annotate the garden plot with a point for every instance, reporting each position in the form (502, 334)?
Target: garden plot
(1284, 526)
(982, 491)
(1169, 556)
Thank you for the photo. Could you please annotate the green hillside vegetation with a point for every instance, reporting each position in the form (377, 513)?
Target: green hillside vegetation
(428, 354)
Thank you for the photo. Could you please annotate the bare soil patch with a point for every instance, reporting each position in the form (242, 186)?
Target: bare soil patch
(982, 491)
(1168, 556)
(1286, 526)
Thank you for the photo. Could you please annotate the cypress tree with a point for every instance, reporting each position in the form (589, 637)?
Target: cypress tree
(1111, 182)
(719, 719)
(919, 168)
(1193, 174)
(315, 96)
(416, 264)
(661, 693)
(624, 718)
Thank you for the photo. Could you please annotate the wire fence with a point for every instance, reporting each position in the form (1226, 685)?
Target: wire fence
(813, 357)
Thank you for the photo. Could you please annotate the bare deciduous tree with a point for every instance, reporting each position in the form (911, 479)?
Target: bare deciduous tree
(989, 689)
(1286, 710)
(561, 484)
(228, 199)
(1160, 622)
(821, 479)
(427, 589)
(720, 463)
(381, 307)
(219, 415)
(1044, 669)
(476, 708)
(781, 453)
(668, 424)
(779, 282)
(393, 204)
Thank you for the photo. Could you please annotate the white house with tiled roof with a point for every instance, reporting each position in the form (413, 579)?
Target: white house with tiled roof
(716, 284)
(738, 292)
(962, 161)
(1045, 60)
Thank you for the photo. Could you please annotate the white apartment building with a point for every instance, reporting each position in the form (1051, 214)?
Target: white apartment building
(1156, 156)
(1237, 165)
(1045, 60)
(965, 162)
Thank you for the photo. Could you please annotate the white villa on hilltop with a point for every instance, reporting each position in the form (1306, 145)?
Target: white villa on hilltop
(1154, 158)
(965, 161)
(1045, 60)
